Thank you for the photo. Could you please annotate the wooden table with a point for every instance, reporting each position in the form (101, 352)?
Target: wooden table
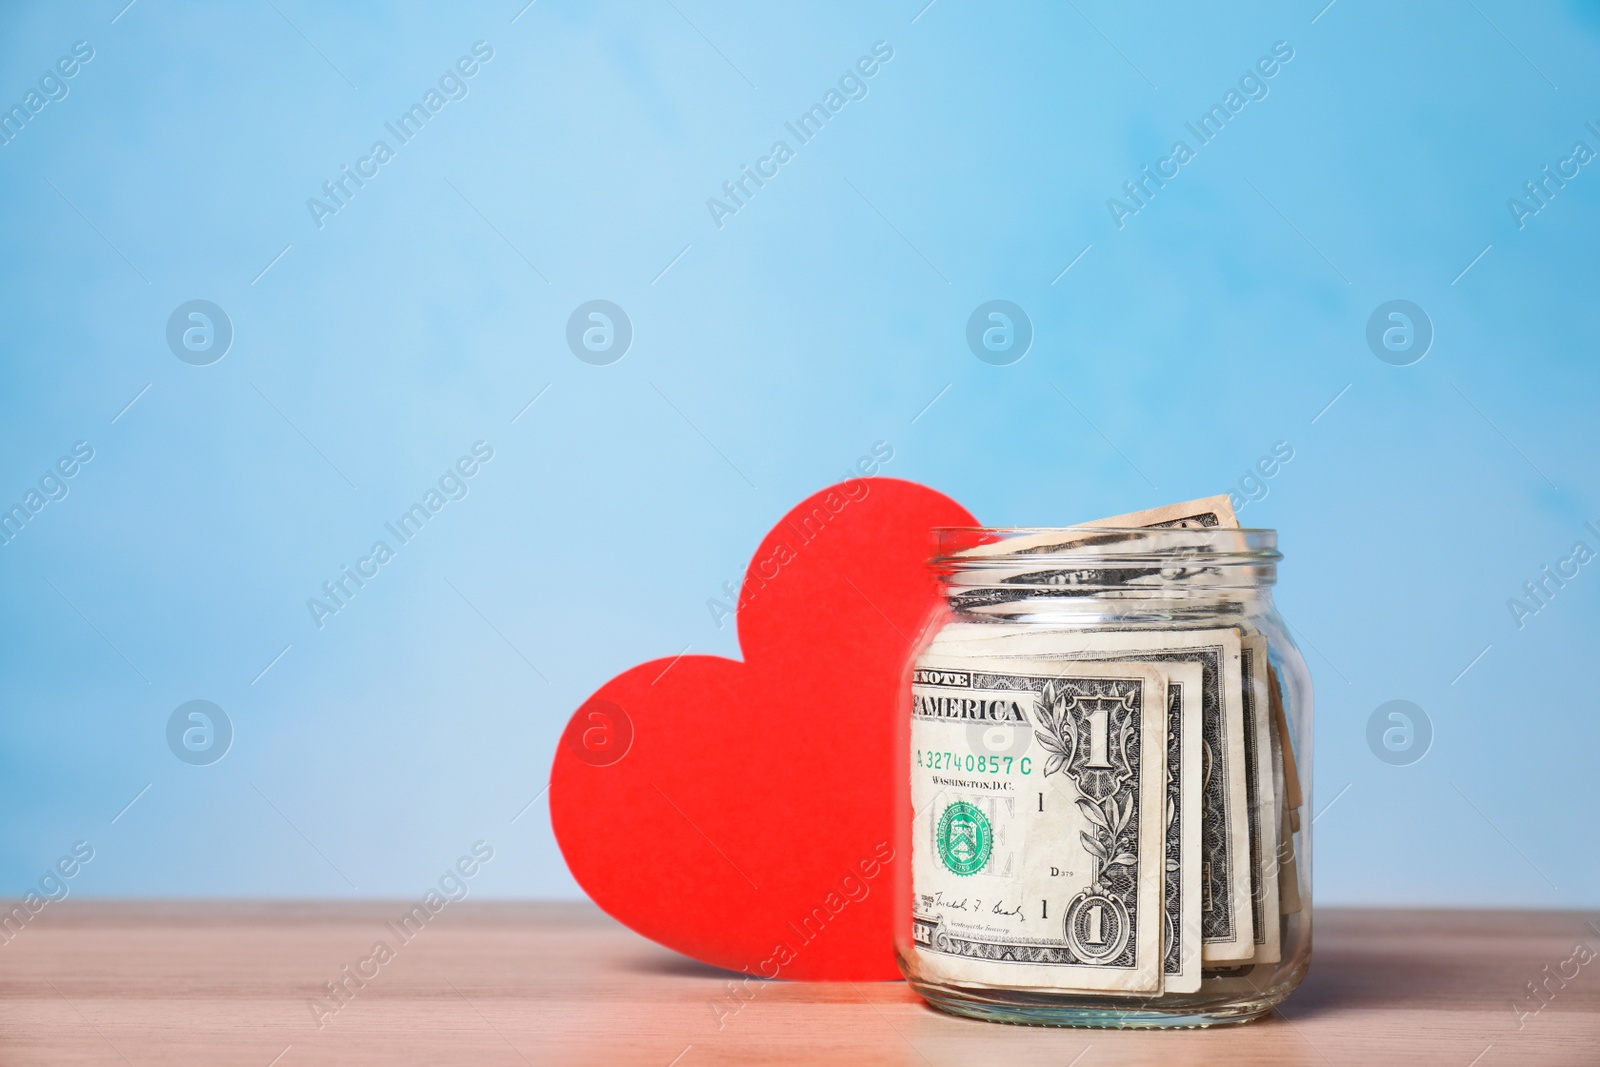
(490, 984)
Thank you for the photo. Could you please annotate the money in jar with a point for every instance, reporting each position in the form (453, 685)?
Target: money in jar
(1107, 764)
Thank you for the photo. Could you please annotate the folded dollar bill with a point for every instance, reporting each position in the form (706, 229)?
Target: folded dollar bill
(1044, 870)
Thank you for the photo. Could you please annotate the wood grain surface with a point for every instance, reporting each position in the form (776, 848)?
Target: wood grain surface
(490, 984)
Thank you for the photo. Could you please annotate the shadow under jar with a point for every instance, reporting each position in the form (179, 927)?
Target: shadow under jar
(1107, 740)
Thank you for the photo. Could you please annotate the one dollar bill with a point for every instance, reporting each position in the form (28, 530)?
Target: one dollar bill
(1042, 870)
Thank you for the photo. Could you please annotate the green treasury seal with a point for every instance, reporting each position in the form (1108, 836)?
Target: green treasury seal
(964, 838)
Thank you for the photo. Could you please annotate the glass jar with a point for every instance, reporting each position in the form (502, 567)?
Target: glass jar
(1108, 739)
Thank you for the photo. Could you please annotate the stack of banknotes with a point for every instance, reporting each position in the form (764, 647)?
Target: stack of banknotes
(1100, 810)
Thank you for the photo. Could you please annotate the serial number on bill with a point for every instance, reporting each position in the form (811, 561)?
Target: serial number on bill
(982, 763)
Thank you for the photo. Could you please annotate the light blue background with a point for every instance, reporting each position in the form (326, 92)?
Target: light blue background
(823, 317)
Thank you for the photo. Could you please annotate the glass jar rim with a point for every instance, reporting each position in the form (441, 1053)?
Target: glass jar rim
(970, 546)
(1105, 529)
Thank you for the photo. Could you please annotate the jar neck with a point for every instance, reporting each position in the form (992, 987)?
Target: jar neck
(1075, 574)
(1101, 612)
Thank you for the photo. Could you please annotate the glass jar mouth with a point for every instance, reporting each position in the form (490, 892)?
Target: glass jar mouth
(1075, 561)
(978, 546)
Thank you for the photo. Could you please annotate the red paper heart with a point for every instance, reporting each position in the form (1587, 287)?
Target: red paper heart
(743, 813)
